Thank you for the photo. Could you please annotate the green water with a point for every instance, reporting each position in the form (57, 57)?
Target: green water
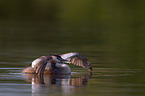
(110, 33)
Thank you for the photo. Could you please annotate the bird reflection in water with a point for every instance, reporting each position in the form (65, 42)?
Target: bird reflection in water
(44, 84)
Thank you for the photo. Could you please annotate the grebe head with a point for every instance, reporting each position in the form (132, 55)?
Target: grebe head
(54, 60)
(57, 59)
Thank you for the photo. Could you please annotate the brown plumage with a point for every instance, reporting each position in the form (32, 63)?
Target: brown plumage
(78, 60)
(54, 64)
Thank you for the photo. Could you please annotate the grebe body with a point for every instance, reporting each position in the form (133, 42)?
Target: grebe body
(57, 64)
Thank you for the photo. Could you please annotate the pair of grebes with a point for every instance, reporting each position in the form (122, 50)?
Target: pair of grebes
(57, 64)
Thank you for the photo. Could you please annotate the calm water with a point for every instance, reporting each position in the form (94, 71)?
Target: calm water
(110, 33)
(105, 80)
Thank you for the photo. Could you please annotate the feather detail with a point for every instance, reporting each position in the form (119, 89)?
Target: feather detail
(41, 68)
(77, 59)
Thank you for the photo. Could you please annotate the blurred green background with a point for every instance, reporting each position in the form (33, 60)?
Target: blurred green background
(113, 30)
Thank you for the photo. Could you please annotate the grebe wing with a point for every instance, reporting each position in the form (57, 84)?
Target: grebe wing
(41, 68)
(77, 59)
(39, 64)
(38, 61)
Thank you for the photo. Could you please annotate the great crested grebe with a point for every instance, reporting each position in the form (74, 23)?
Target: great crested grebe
(54, 64)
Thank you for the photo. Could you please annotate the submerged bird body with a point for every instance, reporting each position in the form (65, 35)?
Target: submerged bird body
(54, 64)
